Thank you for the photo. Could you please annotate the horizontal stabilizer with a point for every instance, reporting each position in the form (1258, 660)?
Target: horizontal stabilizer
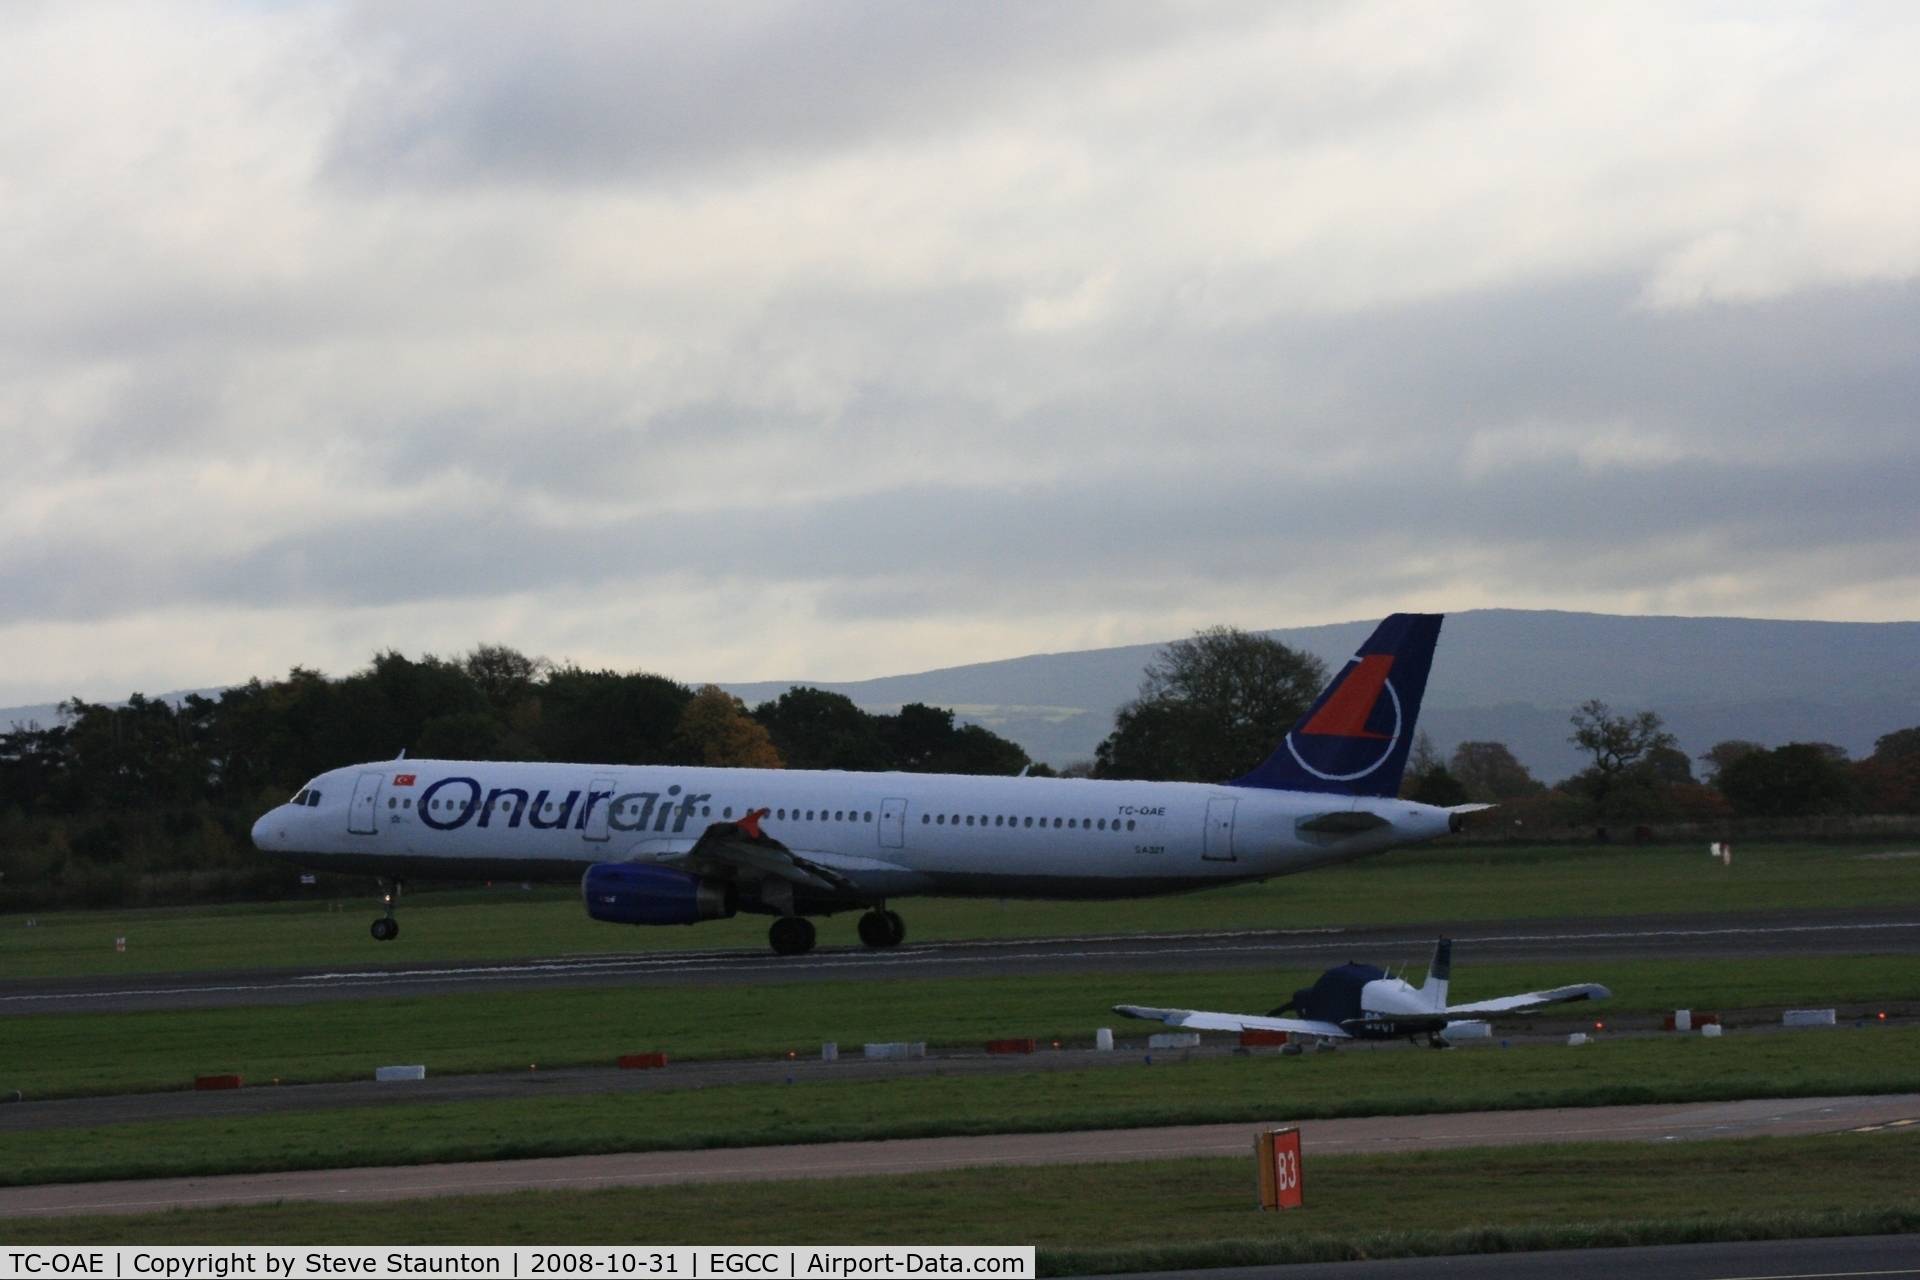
(1345, 822)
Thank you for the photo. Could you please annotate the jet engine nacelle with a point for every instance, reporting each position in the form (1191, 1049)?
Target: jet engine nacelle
(637, 893)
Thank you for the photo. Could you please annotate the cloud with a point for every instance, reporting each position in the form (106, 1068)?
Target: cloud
(836, 339)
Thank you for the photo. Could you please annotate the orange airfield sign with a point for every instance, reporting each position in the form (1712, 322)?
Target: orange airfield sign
(1277, 1157)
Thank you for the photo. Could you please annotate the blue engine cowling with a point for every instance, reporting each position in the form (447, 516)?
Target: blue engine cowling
(638, 893)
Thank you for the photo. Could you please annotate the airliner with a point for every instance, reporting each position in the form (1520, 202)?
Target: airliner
(661, 845)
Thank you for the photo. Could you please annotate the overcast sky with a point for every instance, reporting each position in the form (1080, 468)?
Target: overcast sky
(832, 340)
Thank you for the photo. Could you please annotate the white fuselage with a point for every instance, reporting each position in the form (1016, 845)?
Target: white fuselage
(888, 834)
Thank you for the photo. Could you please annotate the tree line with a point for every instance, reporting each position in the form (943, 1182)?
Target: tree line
(1212, 707)
(152, 802)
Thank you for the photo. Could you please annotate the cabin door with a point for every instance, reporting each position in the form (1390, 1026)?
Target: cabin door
(893, 824)
(362, 818)
(1218, 842)
(597, 810)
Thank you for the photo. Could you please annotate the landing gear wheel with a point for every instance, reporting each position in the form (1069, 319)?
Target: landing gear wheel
(791, 936)
(882, 929)
(385, 930)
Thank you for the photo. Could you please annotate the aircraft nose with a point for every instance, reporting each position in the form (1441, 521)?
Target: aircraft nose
(264, 831)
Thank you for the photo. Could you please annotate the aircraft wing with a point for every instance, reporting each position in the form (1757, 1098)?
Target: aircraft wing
(1533, 999)
(740, 850)
(1197, 1020)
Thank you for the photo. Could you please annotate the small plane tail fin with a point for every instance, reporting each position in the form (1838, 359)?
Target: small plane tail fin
(1354, 740)
(1434, 990)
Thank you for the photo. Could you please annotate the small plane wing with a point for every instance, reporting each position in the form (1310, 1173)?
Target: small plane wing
(1533, 999)
(1198, 1020)
(736, 847)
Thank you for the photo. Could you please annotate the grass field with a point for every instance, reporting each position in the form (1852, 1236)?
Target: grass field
(48, 1055)
(1358, 1080)
(1414, 885)
(1176, 1212)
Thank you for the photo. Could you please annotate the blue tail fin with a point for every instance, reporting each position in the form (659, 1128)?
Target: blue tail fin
(1354, 741)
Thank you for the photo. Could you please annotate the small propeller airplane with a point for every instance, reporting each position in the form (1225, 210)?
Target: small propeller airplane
(1360, 1002)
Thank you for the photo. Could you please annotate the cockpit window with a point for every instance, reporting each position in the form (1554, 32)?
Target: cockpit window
(313, 799)
(299, 799)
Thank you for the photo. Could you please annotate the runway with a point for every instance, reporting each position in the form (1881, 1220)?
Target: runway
(1662, 1123)
(1839, 1258)
(1860, 931)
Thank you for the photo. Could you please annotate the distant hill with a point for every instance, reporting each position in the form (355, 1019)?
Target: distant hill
(1506, 675)
(47, 714)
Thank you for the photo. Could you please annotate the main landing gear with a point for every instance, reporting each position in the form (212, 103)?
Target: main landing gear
(386, 928)
(882, 928)
(791, 935)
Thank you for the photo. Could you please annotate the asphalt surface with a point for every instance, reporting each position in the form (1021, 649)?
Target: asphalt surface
(1660, 1123)
(1829, 1259)
(1671, 937)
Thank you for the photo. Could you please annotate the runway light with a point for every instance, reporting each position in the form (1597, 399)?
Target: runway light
(1599, 1026)
(1883, 1017)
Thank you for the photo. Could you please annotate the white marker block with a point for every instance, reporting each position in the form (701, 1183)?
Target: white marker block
(1711, 1030)
(400, 1073)
(830, 1051)
(897, 1049)
(1103, 1039)
(1578, 1037)
(1683, 1019)
(1807, 1018)
(1174, 1040)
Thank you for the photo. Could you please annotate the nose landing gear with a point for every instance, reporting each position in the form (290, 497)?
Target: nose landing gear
(386, 928)
(882, 928)
(791, 935)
